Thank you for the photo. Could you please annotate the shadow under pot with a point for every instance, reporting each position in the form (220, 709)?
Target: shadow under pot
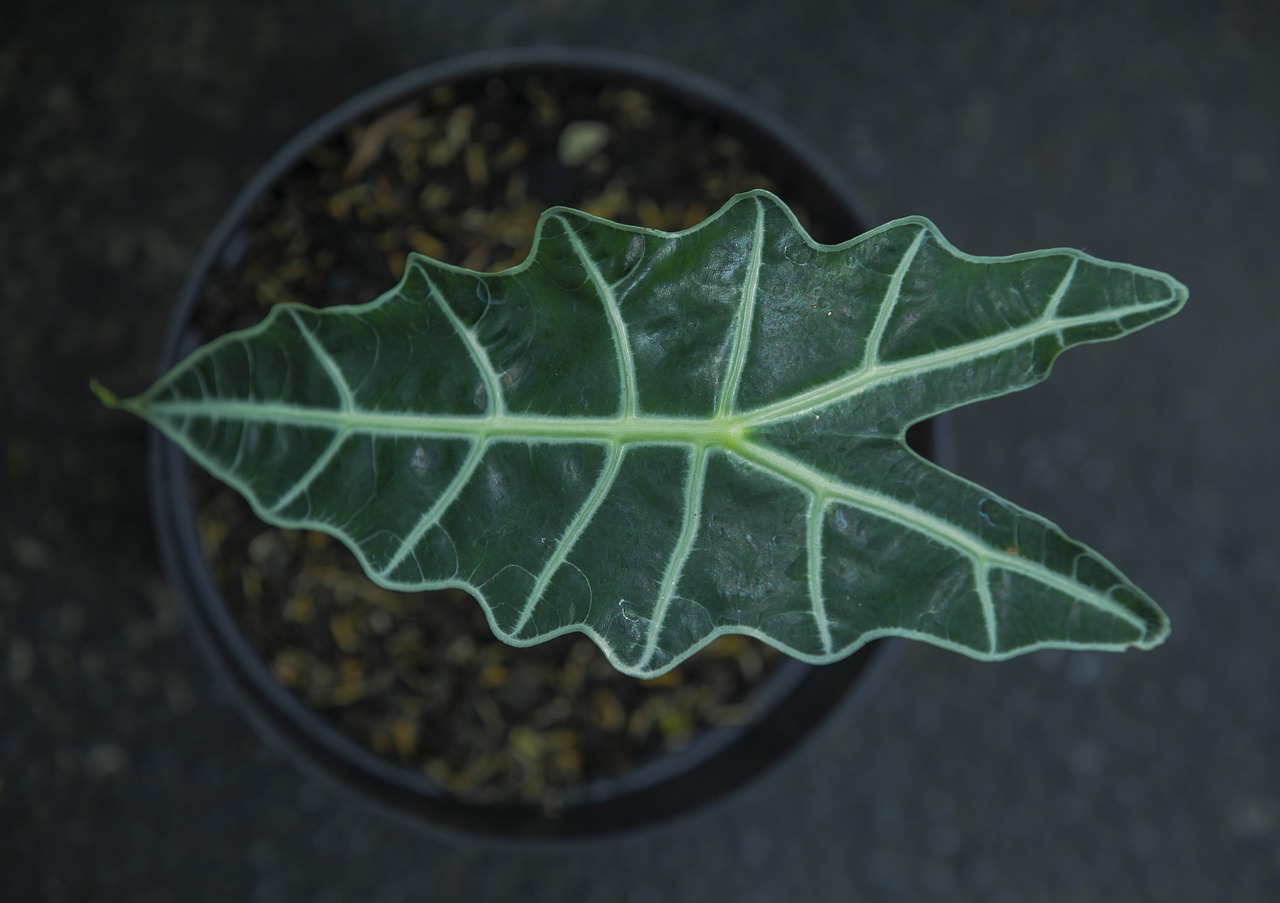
(407, 698)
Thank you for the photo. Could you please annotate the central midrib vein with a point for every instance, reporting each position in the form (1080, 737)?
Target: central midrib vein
(725, 431)
(728, 433)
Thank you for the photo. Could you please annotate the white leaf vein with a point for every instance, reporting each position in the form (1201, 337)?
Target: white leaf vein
(629, 400)
(695, 485)
(495, 401)
(581, 519)
(728, 397)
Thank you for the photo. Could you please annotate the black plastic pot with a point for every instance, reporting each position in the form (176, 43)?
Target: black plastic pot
(793, 703)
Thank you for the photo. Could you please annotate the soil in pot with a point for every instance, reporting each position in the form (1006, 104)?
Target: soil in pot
(461, 173)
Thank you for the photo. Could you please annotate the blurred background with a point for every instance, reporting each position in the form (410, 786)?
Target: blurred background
(1143, 132)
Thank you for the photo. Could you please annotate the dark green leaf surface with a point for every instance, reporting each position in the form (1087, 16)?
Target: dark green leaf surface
(657, 438)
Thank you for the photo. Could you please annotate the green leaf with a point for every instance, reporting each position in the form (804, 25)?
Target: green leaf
(658, 438)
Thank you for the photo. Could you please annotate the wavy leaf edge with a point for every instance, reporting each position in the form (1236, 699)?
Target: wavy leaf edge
(1155, 628)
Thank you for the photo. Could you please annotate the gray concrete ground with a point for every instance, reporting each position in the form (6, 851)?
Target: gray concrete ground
(1146, 132)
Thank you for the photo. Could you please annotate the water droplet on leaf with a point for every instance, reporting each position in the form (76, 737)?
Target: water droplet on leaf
(993, 513)
(635, 253)
(800, 253)
(419, 463)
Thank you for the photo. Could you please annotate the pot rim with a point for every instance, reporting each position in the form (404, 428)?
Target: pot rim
(677, 783)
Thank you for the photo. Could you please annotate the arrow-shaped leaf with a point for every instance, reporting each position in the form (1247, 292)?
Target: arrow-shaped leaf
(658, 438)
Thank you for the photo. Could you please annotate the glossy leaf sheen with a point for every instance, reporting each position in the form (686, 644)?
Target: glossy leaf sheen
(657, 438)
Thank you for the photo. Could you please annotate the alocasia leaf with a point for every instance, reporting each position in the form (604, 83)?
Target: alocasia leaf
(658, 438)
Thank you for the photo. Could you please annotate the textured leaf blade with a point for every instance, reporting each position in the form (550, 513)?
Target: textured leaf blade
(657, 438)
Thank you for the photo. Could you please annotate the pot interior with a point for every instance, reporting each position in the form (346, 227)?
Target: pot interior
(461, 171)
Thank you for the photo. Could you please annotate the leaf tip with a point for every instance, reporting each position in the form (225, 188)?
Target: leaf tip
(1179, 293)
(106, 396)
(1155, 634)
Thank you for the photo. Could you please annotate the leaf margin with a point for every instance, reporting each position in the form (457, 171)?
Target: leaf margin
(139, 404)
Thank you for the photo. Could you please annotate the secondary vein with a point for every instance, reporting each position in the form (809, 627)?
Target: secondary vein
(629, 403)
(694, 486)
(746, 315)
